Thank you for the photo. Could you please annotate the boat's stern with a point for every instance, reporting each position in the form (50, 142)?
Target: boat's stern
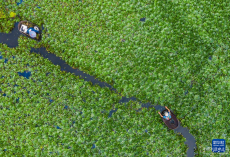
(23, 28)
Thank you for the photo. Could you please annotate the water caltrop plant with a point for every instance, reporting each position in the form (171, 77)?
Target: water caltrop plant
(43, 126)
(156, 60)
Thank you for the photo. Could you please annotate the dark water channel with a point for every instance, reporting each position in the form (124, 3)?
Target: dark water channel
(11, 40)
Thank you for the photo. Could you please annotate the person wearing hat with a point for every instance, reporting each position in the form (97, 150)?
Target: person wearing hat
(32, 32)
(167, 115)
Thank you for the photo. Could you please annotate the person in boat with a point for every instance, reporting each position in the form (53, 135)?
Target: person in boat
(32, 32)
(167, 115)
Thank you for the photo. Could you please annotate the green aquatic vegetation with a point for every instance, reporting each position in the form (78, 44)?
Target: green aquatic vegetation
(157, 62)
(7, 15)
(35, 130)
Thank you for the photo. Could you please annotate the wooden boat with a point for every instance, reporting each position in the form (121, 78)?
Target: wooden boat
(173, 122)
(22, 29)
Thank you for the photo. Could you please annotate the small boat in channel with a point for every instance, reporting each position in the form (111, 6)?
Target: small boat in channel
(30, 30)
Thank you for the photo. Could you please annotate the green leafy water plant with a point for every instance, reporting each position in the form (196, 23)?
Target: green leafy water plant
(156, 62)
(38, 133)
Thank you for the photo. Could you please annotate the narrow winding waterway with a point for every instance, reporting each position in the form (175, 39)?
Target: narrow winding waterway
(11, 40)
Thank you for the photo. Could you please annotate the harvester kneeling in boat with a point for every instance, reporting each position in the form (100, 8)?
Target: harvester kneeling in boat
(169, 118)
